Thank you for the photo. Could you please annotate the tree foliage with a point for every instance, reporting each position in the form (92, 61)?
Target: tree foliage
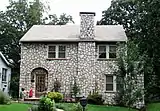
(130, 89)
(141, 21)
(16, 20)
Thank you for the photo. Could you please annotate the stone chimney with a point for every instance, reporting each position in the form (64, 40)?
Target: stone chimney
(87, 30)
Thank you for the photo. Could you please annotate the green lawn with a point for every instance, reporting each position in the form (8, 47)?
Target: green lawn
(153, 107)
(24, 107)
(107, 108)
(99, 107)
(15, 107)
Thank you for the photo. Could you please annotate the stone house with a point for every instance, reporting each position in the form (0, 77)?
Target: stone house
(5, 74)
(85, 52)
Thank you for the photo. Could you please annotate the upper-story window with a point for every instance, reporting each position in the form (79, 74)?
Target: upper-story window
(107, 51)
(4, 74)
(56, 51)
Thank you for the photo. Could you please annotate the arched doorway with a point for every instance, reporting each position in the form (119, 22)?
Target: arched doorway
(40, 77)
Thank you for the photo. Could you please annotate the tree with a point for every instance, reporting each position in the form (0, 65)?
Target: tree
(130, 89)
(75, 88)
(140, 19)
(19, 17)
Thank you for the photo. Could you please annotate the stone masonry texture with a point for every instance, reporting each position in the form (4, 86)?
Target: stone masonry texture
(81, 63)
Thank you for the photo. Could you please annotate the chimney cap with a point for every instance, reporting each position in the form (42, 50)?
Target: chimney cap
(88, 13)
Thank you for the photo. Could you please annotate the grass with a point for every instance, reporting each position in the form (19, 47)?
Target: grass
(15, 107)
(107, 108)
(97, 107)
(24, 107)
(153, 107)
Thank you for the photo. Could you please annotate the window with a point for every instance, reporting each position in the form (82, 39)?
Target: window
(102, 52)
(4, 74)
(57, 51)
(107, 51)
(52, 52)
(110, 83)
(112, 51)
(61, 52)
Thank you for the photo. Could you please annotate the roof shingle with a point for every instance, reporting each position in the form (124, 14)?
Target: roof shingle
(49, 33)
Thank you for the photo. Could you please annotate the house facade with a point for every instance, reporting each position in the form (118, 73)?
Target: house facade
(83, 52)
(5, 74)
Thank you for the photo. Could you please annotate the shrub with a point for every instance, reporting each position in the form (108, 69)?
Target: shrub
(95, 99)
(75, 88)
(77, 107)
(4, 99)
(34, 108)
(56, 96)
(62, 106)
(46, 104)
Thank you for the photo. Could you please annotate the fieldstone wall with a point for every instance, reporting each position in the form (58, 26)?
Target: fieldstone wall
(80, 62)
(86, 66)
(35, 55)
(87, 30)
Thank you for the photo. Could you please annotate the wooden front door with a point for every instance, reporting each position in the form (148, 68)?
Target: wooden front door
(40, 85)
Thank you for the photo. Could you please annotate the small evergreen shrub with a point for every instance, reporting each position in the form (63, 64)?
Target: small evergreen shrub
(95, 99)
(56, 96)
(4, 99)
(46, 104)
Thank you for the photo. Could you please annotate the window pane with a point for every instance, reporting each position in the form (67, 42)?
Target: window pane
(109, 87)
(52, 48)
(102, 48)
(102, 51)
(52, 55)
(62, 48)
(4, 74)
(109, 79)
(112, 55)
(109, 82)
(112, 48)
(112, 51)
(102, 55)
(61, 55)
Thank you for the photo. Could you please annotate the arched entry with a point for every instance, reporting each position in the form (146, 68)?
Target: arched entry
(40, 77)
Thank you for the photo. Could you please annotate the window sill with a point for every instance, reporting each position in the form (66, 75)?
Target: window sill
(4, 82)
(57, 58)
(110, 91)
(104, 59)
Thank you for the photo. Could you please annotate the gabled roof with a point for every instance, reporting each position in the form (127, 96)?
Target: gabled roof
(51, 33)
(4, 59)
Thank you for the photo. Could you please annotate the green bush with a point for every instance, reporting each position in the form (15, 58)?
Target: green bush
(62, 106)
(46, 104)
(34, 108)
(95, 99)
(4, 99)
(77, 107)
(56, 96)
(70, 107)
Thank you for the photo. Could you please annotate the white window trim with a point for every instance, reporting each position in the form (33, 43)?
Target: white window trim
(57, 51)
(114, 84)
(107, 51)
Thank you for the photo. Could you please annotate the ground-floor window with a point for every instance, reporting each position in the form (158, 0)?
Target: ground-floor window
(110, 83)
